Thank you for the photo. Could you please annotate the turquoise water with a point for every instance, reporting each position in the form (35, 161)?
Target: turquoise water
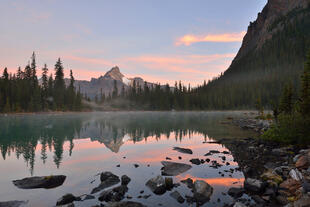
(82, 145)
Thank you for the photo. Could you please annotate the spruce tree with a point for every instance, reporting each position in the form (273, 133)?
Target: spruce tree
(59, 85)
(305, 89)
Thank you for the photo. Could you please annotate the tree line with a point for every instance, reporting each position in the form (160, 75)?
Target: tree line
(292, 113)
(24, 92)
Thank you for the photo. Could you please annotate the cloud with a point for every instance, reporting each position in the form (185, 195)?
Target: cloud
(227, 37)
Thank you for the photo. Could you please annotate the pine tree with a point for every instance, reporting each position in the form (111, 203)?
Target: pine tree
(286, 103)
(305, 89)
(44, 87)
(59, 85)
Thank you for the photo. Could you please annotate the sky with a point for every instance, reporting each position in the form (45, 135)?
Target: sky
(161, 41)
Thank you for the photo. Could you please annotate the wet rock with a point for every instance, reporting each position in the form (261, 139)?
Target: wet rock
(174, 168)
(113, 195)
(225, 152)
(267, 176)
(195, 161)
(126, 204)
(146, 196)
(183, 150)
(40, 182)
(214, 151)
(169, 183)
(136, 165)
(306, 186)
(180, 158)
(66, 199)
(177, 196)
(258, 199)
(125, 180)
(290, 186)
(87, 197)
(108, 179)
(118, 165)
(188, 182)
(253, 185)
(157, 185)
(281, 200)
(168, 158)
(235, 192)
(239, 204)
(13, 203)
(304, 201)
(202, 191)
(208, 160)
(302, 162)
(295, 174)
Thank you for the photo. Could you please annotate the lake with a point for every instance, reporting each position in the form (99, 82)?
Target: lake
(82, 145)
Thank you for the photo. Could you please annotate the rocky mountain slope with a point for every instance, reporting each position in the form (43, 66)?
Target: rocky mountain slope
(105, 84)
(272, 55)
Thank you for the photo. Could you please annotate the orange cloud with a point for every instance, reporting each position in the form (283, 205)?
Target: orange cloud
(228, 37)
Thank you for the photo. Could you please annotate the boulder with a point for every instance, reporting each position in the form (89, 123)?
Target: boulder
(302, 162)
(125, 180)
(235, 192)
(87, 197)
(290, 186)
(66, 199)
(177, 196)
(157, 185)
(202, 191)
(174, 168)
(188, 182)
(108, 179)
(169, 183)
(253, 185)
(13, 203)
(295, 174)
(183, 150)
(271, 176)
(46, 182)
(304, 201)
(239, 204)
(126, 204)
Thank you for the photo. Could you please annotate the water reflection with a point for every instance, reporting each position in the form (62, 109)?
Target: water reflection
(23, 135)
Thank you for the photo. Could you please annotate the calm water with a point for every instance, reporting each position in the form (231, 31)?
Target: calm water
(82, 145)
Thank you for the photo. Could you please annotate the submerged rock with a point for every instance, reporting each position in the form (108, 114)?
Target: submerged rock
(108, 179)
(66, 199)
(157, 185)
(126, 204)
(202, 191)
(40, 182)
(174, 168)
(235, 192)
(177, 196)
(13, 203)
(183, 150)
(295, 174)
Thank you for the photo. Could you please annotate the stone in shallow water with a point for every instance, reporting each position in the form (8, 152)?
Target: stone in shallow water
(177, 196)
(126, 204)
(13, 203)
(40, 182)
(202, 191)
(108, 179)
(66, 199)
(174, 168)
(157, 185)
(195, 161)
(183, 150)
(125, 180)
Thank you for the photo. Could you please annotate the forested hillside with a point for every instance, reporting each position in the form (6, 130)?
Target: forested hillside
(263, 70)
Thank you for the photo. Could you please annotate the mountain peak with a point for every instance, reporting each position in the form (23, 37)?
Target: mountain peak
(114, 73)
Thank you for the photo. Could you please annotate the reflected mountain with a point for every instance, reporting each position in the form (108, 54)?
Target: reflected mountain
(22, 135)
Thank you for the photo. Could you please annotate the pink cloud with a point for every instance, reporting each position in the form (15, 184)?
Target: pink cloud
(227, 37)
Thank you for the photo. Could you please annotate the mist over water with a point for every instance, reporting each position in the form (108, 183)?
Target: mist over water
(82, 145)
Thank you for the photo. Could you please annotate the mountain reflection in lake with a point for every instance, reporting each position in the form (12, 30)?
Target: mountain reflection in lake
(84, 144)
